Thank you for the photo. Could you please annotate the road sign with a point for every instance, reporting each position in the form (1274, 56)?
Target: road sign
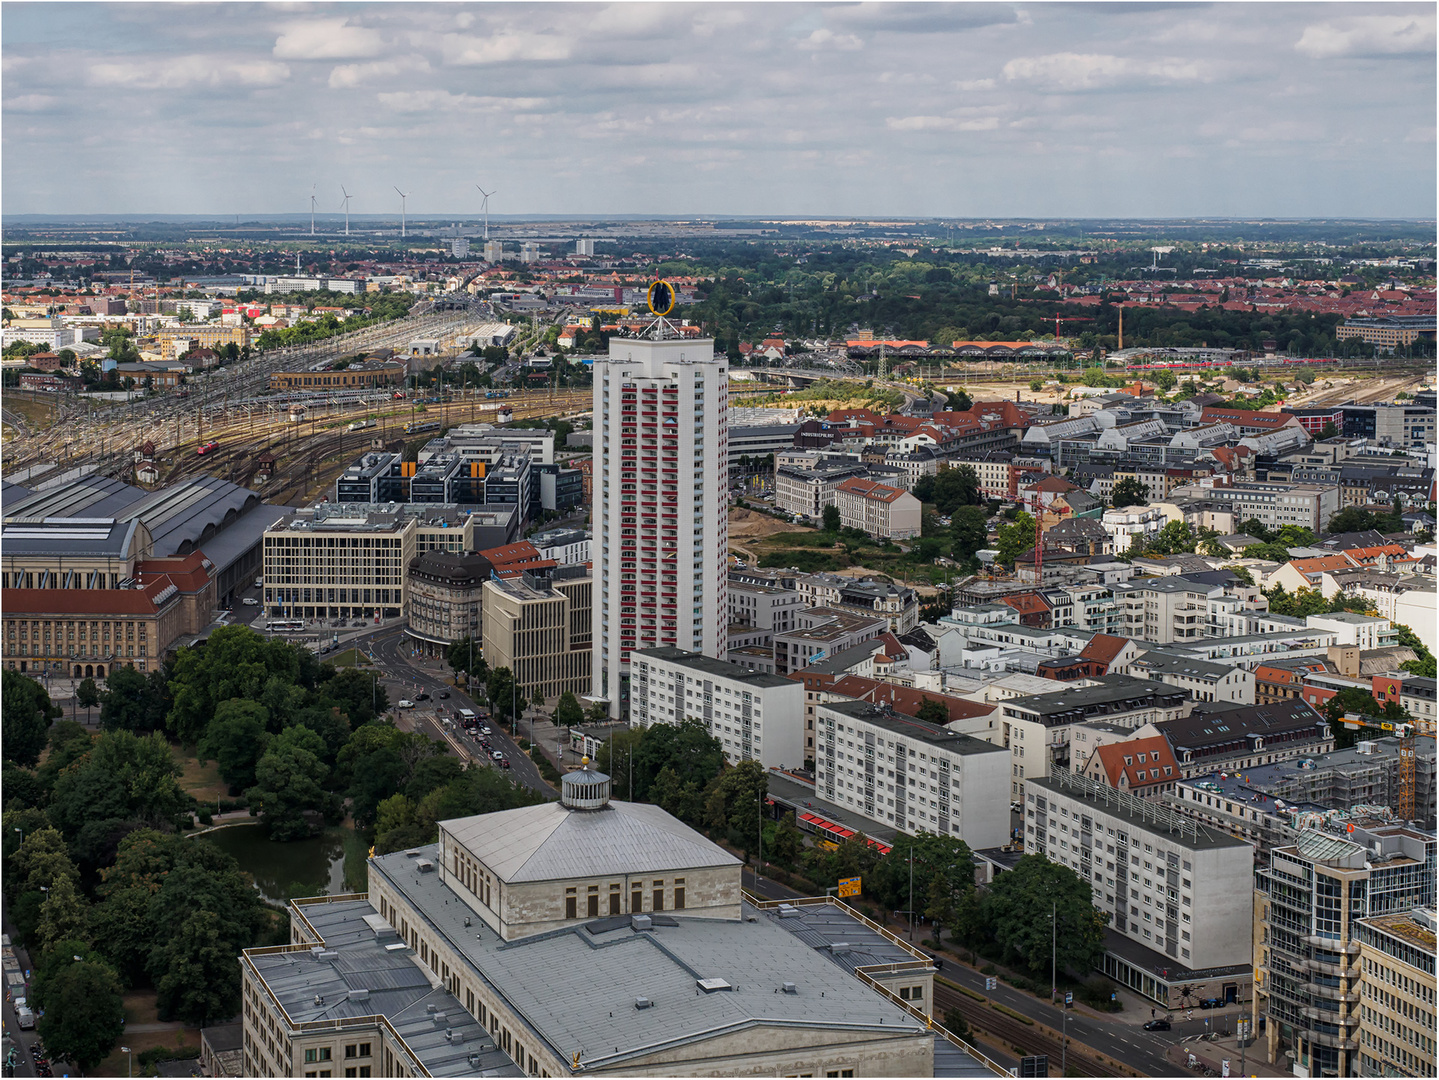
(1034, 1065)
(1068, 998)
(990, 982)
(849, 886)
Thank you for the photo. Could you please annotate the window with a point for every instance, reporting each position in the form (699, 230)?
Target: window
(637, 899)
(351, 1050)
(614, 899)
(571, 904)
(658, 896)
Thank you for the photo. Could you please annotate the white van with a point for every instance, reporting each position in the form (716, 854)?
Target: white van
(25, 1018)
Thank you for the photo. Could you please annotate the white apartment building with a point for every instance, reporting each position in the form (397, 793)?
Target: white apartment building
(660, 503)
(807, 490)
(756, 717)
(1273, 503)
(1164, 610)
(1205, 680)
(993, 473)
(765, 607)
(877, 509)
(1179, 890)
(910, 775)
(1366, 631)
(1124, 524)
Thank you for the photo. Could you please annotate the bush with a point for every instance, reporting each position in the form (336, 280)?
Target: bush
(547, 769)
(988, 969)
(239, 803)
(205, 816)
(157, 1054)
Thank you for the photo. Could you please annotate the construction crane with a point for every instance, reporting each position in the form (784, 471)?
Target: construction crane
(1406, 734)
(1058, 320)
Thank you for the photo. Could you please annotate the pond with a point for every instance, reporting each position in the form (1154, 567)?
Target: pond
(330, 862)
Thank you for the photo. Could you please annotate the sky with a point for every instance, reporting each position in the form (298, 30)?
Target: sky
(781, 110)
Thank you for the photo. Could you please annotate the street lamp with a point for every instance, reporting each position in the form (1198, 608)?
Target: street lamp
(129, 1061)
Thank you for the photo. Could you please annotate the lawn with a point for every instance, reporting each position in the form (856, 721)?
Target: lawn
(350, 658)
(41, 414)
(200, 780)
(812, 552)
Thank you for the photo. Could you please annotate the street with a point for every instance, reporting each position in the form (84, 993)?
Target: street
(405, 675)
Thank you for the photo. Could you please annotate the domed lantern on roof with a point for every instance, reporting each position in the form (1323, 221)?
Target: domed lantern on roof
(585, 789)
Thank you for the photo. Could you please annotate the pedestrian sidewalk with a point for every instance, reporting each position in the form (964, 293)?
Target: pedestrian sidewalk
(1213, 1054)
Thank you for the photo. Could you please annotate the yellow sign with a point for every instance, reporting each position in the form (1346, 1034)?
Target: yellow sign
(662, 298)
(849, 886)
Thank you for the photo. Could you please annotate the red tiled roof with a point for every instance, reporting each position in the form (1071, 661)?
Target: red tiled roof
(39, 602)
(1147, 761)
(1103, 648)
(1245, 417)
(1371, 554)
(524, 551)
(905, 699)
(868, 489)
(1320, 564)
(1026, 603)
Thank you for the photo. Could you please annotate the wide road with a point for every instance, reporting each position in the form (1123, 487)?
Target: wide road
(406, 675)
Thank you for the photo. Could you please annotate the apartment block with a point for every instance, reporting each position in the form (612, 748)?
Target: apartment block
(1275, 504)
(822, 632)
(756, 717)
(202, 337)
(1223, 738)
(1163, 610)
(1036, 727)
(910, 775)
(1177, 893)
(808, 490)
(764, 607)
(1205, 681)
(1309, 906)
(862, 596)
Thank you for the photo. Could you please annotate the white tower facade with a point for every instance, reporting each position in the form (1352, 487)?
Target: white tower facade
(661, 503)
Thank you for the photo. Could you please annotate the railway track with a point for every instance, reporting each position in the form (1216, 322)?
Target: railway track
(1010, 1033)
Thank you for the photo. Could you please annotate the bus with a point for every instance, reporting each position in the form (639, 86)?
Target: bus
(285, 626)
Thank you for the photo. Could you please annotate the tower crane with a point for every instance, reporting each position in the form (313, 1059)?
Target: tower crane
(1406, 733)
(1058, 320)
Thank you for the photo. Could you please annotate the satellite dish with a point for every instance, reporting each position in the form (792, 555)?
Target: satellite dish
(661, 298)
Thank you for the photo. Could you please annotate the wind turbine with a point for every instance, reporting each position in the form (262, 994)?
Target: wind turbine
(346, 204)
(312, 209)
(485, 206)
(403, 196)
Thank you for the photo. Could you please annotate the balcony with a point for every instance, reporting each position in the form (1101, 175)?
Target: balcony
(1331, 993)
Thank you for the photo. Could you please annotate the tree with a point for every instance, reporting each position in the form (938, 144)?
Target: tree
(1015, 539)
(1018, 910)
(84, 1012)
(235, 740)
(126, 704)
(958, 401)
(830, 518)
(1351, 699)
(87, 694)
(63, 914)
(1128, 491)
(198, 983)
(735, 802)
(502, 693)
(568, 712)
(1300, 604)
(956, 487)
(933, 711)
(25, 715)
(1353, 519)
(289, 784)
(968, 533)
(1036, 385)
(235, 662)
(537, 699)
(1175, 537)
(124, 776)
(1423, 664)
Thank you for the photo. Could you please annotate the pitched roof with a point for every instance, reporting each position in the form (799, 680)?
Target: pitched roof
(1312, 568)
(65, 602)
(905, 699)
(868, 489)
(1103, 648)
(1137, 763)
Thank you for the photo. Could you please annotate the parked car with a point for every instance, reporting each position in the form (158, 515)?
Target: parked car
(250, 601)
(404, 703)
(1211, 1003)
(1157, 1025)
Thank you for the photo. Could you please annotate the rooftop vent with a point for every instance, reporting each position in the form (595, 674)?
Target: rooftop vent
(359, 995)
(642, 1003)
(439, 1019)
(326, 954)
(432, 1009)
(710, 986)
(641, 922)
(789, 911)
(791, 988)
(838, 946)
(425, 866)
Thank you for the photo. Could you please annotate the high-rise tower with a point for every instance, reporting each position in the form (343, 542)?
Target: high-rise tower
(661, 518)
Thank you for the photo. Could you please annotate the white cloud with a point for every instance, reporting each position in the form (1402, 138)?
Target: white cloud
(504, 48)
(444, 101)
(31, 103)
(173, 73)
(327, 39)
(1068, 71)
(347, 76)
(940, 123)
(828, 39)
(1369, 35)
(974, 84)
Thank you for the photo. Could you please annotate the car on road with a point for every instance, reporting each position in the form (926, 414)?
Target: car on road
(496, 755)
(422, 696)
(484, 731)
(1157, 1025)
(1212, 1003)
(250, 601)
(443, 694)
(404, 703)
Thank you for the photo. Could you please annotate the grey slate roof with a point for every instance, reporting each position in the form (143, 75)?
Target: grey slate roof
(88, 496)
(185, 515)
(549, 842)
(710, 666)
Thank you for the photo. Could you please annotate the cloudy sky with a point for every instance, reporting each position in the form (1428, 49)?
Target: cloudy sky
(964, 110)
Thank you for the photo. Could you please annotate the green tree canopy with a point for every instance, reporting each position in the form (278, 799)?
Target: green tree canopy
(123, 776)
(968, 532)
(1018, 913)
(1128, 491)
(236, 739)
(289, 784)
(829, 518)
(568, 712)
(235, 662)
(25, 715)
(84, 1011)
